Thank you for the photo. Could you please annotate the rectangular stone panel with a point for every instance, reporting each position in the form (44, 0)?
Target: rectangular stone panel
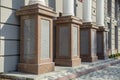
(93, 42)
(9, 32)
(9, 47)
(75, 40)
(8, 63)
(8, 16)
(14, 4)
(64, 42)
(99, 42)
(105, 42)
(45, 39)
(84, 41)
(29, 38)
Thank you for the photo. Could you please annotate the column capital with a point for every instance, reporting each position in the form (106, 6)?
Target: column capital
(37, 2)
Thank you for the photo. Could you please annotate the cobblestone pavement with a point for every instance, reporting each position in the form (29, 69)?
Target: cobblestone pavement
(110, 73)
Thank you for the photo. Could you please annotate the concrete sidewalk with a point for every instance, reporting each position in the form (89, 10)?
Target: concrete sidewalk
(64, 73)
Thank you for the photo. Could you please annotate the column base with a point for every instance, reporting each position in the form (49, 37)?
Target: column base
(68, 62)
(36, 68)
(88, 58)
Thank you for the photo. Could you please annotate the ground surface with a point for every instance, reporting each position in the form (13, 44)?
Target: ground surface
(110, 73)
(70, 73)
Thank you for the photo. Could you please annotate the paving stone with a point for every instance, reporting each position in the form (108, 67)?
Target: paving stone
(109, 73)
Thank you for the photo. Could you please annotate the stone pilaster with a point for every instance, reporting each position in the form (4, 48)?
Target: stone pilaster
(36, 45)
(68, 41)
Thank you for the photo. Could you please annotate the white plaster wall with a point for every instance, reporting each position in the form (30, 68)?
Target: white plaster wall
(94, 10)
(13, 4)
(79, 9)
(9, 16)
(59, 6)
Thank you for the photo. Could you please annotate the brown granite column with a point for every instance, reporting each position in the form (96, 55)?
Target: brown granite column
(68, 41)
(102, 42)
(36, 39)
(88, 42)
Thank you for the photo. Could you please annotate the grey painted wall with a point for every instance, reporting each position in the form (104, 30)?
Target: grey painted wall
(9, 34)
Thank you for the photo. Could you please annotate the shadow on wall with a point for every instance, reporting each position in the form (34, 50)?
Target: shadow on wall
(9, 35)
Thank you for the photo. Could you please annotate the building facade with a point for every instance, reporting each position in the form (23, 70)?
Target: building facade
(10, 26)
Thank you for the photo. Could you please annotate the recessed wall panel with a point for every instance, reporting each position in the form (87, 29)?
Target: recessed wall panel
(93, 42)
(99, 42)
(75, 40)
(45, 39)
(64, 41)
(84, 41)
(29, 38)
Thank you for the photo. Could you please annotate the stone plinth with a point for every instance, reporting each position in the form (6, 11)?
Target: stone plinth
(67, 41)
(88, 40)
(102, 42)
(36, 39)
